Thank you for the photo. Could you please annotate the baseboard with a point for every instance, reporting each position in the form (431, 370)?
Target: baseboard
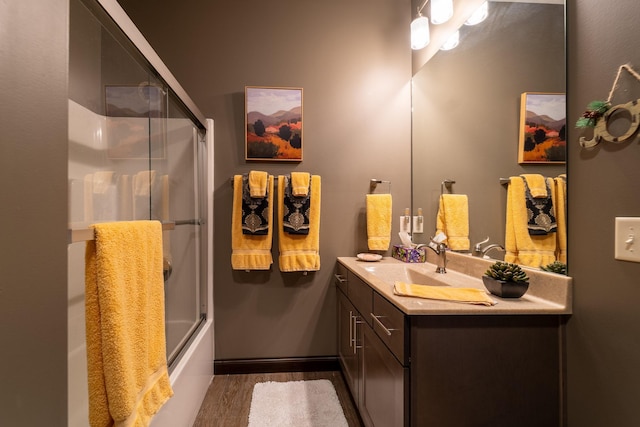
(262, 366)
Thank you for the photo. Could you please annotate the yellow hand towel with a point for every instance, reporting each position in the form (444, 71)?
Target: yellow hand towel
(124, 309)
(453, 221)
(521, 247)
(248, 251)
(257, 183)
(536, 183)
(379, 208)
(443, 293)
(300, 183)
(300, 252)
(561, 217)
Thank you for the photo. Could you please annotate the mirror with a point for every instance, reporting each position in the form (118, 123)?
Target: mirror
(466, 112)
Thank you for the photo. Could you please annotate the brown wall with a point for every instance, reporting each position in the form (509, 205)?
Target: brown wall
(33, 212)
(603, 334)
(353, 61)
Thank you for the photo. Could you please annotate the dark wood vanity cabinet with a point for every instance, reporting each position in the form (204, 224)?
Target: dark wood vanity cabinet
(447, 370)
(377, 379)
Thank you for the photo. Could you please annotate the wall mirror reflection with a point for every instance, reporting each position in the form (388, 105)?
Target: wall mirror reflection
(466, 113)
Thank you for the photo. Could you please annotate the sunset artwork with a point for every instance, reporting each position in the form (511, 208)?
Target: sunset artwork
(542, 128)
(273, 123)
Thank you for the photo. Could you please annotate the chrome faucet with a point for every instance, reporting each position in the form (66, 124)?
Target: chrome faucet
(481, 252)
(441, 250)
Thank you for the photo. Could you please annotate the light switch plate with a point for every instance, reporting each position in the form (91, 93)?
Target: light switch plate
(405, 224)
(627, 239)
(418, 224)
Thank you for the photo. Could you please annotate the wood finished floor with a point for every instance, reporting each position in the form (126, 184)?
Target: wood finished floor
(228, 399)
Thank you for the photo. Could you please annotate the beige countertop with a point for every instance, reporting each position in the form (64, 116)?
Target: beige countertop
(548, 293)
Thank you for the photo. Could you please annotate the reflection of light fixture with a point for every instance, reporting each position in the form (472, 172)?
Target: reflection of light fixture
(441, 11)
(479, 15)
(451, 42)
(420, 30)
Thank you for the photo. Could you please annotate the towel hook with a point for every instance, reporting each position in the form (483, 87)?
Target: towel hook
(374, 183)
(446, 183)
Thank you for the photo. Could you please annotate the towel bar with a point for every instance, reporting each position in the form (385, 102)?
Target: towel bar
(505, 181)
(85, 234)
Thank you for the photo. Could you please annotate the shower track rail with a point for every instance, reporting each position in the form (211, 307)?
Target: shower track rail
(86, 234)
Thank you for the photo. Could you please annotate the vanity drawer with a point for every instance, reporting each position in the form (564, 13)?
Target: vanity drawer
(389, 325)
(341, 278)
(361, 295)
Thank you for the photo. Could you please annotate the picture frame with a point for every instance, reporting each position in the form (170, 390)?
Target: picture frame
(135, 121)
(542, 131)
(273, 124)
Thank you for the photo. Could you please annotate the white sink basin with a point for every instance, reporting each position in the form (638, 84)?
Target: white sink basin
(420, 274)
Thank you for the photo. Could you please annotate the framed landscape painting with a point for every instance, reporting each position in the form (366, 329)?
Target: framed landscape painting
(273, 123)
(542, 128)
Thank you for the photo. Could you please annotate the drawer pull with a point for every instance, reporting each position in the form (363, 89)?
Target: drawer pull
(340, 278)
(384, 328)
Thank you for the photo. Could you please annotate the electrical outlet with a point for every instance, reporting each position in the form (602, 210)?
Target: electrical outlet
(627, 239)
(405, 224)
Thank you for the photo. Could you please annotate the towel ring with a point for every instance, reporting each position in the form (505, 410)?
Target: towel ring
(446, 183)
(374, 183)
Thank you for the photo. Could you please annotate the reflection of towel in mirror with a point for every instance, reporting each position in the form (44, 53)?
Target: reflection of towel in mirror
(542, 218)
(379, 221)
(521, 247)
(561, 217)
(453, 221)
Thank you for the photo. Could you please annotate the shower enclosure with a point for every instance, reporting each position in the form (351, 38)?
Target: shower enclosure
(136, 151)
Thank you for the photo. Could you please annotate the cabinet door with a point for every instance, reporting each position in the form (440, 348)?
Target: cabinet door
(348, 343)
(385, 382)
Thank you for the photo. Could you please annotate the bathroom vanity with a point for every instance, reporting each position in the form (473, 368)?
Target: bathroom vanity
(418, 362)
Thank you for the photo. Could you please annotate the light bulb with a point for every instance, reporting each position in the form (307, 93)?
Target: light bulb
(479, 15)
(451, 42)
(441, 11)
(419, 33)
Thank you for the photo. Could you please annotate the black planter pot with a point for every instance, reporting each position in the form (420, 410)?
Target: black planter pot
(505, 289)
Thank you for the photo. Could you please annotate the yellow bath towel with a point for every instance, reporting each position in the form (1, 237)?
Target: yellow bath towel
(300, 183)
(124, 309)
(379, 207)
(453, 221)
(258, 183)
(561, 217)
(537, 184)
(248, 251)
(521, 247)
(300, 252)
(444, 293)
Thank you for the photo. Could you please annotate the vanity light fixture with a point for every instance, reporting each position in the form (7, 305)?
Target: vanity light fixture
(420, 30)
(451, 42)
(441, 11)
(479, 15)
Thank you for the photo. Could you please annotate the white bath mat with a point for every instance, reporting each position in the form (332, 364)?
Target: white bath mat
(296, 404)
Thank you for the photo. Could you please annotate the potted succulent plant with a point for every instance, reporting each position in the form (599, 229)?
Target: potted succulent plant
(506, 280)
(556, 267)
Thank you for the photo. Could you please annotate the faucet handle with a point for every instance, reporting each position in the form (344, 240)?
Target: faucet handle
(477, 249)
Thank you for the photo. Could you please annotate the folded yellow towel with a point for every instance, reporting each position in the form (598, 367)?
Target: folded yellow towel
(379, 208)
(124, 308)
(443, 293)
(300, 183)
(249, 251)
(561, 217)
(257, 183)
(536, 183)
(521, 247)
(453, 221)
(301, 252)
